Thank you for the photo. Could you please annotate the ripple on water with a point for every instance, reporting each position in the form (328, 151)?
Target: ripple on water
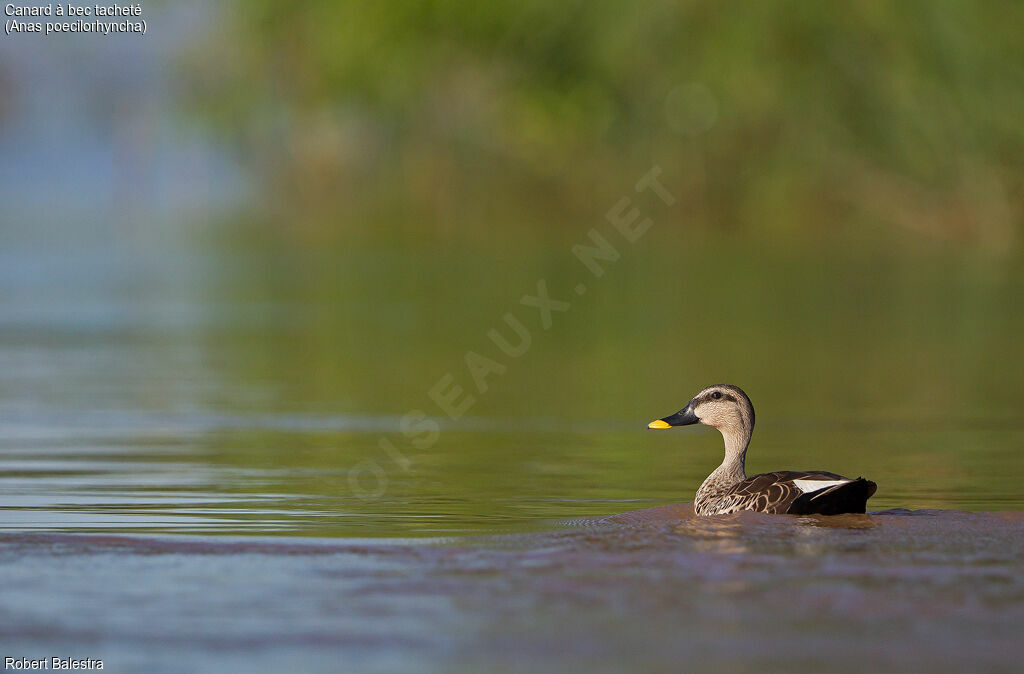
(648, 589)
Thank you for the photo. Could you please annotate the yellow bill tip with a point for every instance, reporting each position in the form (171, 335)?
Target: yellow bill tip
(658, 423)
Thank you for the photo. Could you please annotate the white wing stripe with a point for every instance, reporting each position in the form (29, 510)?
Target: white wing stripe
(814, 485)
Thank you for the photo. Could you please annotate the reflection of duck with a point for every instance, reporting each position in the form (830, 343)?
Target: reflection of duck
(729, 490)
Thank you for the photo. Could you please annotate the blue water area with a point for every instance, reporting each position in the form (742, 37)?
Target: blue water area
(651, 590)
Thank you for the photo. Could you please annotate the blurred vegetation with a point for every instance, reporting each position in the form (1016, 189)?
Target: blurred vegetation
(454, 118)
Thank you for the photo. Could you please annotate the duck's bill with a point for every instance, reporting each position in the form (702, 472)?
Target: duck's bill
(683, 417)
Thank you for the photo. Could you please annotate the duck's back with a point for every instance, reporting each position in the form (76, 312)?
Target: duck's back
(788, 492)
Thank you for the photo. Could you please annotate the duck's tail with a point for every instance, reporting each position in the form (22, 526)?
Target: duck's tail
(848, 497)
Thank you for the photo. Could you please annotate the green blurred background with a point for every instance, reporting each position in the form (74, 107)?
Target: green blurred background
(848, 181)
(775, 120)
(391, 178)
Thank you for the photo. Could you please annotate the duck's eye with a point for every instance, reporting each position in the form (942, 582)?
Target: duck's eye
(716, 394)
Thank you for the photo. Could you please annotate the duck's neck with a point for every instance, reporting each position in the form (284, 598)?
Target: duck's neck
(732, 469)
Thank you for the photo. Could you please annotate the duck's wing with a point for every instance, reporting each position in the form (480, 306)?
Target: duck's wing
(844, 496)
(802, 492)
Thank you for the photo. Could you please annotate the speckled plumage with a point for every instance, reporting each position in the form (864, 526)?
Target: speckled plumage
(776, 493)
(729, 490)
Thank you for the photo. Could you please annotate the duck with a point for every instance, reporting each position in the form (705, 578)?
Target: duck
(728, 489)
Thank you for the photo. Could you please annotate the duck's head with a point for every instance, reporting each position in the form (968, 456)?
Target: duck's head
(722, 406)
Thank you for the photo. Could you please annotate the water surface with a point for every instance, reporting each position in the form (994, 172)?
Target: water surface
(651, 590)
(192, 475)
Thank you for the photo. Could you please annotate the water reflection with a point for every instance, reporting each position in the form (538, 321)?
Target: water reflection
(233, 473)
